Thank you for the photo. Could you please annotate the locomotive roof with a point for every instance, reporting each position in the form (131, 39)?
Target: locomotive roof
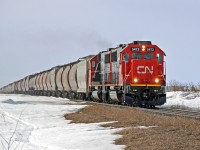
(142, 42)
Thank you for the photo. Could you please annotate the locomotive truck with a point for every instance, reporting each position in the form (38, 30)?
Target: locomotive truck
(130, 74)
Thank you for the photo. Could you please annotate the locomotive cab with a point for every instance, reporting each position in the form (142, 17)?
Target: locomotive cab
(144, 76)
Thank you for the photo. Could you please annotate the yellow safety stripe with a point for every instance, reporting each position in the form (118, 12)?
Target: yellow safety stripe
(127, 84)
(106, 85)
(145, 85)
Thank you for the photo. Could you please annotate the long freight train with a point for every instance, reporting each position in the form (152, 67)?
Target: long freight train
(131, 74)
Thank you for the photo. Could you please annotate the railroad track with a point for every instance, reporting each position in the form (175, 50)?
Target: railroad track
(177, 112)
(159, 110)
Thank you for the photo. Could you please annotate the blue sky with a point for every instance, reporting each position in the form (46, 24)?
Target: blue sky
(38, 34)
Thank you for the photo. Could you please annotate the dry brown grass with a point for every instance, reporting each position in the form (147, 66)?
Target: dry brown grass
(170, 133)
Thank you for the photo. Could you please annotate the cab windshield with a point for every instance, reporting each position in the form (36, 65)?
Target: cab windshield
(137, 56)
(148, 56)
(145, 56)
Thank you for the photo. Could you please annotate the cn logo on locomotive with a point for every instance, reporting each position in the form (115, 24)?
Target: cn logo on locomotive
(144, 69)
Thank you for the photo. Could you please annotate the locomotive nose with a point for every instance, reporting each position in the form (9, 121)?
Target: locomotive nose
(145, 72)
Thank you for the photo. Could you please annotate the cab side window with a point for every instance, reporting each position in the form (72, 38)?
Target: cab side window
(126, 57)
(159, 57)
(93, 64)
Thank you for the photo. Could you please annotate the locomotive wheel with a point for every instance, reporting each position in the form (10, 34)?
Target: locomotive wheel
(151, 106)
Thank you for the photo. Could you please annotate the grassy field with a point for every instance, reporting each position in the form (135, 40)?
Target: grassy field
(164, 132)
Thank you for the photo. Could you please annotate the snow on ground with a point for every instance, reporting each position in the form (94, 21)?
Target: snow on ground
(37, 123)
(145, 127)
(183, 100)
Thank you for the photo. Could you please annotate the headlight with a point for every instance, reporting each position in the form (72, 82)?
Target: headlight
(143, 47)
(156, 80)
(135, 80)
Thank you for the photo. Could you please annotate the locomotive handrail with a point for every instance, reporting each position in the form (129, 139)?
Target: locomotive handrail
(164, 75)
(124, 81)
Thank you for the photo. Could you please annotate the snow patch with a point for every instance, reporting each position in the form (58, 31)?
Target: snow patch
(10, 101)
(188, 100)
(38, 123)
(145, 127)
